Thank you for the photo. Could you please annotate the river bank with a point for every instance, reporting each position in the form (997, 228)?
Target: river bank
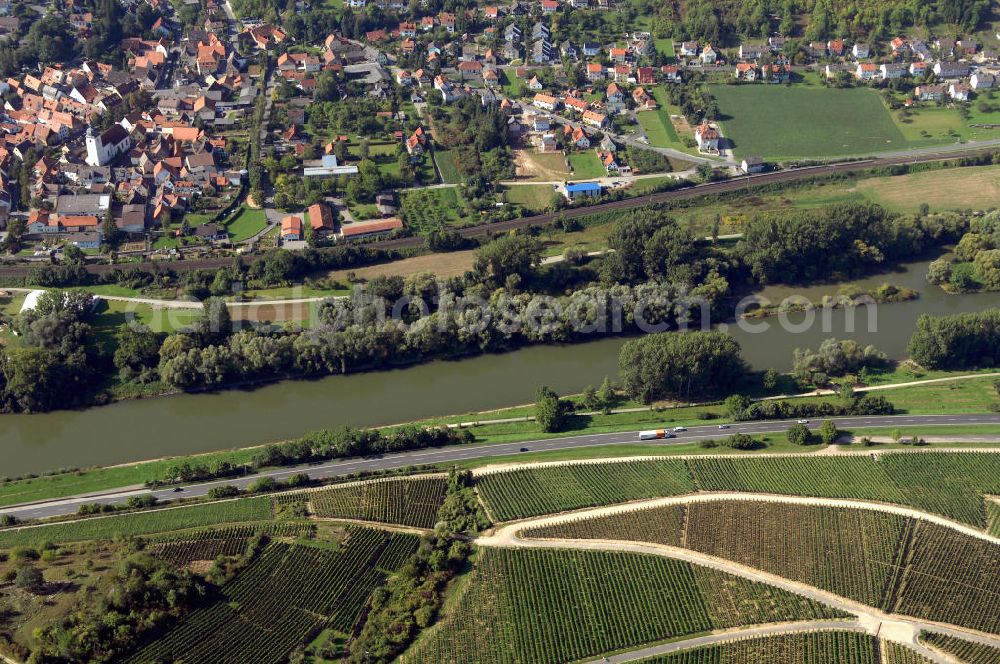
(193, 423)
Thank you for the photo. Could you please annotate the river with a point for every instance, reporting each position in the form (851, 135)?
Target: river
(148, 428)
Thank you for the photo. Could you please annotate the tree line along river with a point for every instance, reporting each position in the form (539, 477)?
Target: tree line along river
(187, 423)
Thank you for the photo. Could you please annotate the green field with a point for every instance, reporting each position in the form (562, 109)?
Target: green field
(659, 130)
(779, 122)
(512, 86)
(445, 161)
(140, 523)
(532, 197)
(407, 502)
(246, 224)
(951, 485)
(586, 165)
(539, 605)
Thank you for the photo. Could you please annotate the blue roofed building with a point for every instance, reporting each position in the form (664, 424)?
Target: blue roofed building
(576, 190)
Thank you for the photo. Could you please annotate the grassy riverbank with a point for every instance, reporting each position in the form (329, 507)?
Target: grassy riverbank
(973, 395)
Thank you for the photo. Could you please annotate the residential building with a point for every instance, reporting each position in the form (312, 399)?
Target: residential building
(291, 228)
(707, 138)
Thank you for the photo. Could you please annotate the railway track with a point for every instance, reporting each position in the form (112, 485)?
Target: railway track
(724, 186)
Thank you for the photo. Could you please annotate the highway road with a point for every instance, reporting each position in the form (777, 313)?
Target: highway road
(913, 424)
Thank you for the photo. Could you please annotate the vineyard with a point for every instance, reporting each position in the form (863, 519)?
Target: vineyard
(542, 605)
(966, 651)
(286, 593)
(806, 648)
(523, 493)
(140, 523)
(951, 578)
(181, 549)
(896, 563)
(896, 653)
(849, 552)
(659, 525)
(409, 502)
(949, 484)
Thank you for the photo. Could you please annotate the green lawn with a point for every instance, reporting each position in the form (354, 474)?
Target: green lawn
(512, 86)
(659, 130)
(532, 197)
(246, 224)
(446, 165)
(586, 165)
(114, 313)
(935, 125)
(779, 122)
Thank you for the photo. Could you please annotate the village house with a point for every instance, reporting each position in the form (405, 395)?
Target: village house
(321, 219)
(929, 92)
(546, 102)
(291, 229)
(707, 138)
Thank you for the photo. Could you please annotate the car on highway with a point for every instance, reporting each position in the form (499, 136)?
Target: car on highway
(803, 422)
(524, 449)
(723, 426)
(177, 489)
(680, 428)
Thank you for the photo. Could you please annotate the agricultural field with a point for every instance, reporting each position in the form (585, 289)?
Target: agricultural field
(183, 548)
(896, 653)
(286, 593)
(542, 605)
(976, 187)
(949, 484)
(523, 493)
(408, 502)
(809, 648)
(427, 209)
(951, 578)
(965, 651)
(140, 523)
(779, 122)
(852, 553)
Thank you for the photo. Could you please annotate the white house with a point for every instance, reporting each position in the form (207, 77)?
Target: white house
(707, 138)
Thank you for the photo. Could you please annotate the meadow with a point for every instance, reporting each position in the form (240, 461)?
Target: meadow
(778, 122)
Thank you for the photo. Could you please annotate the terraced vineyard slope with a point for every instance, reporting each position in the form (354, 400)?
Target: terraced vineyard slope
(965, 651)
(408, 501)
(522, 493)
(807, 648)
(852, 553)
(544, 605)
(286, 593)
(896, 563)
(947, 483)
